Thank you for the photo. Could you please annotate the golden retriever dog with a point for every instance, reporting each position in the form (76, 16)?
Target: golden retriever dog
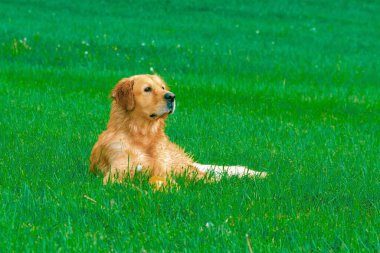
(135, 139)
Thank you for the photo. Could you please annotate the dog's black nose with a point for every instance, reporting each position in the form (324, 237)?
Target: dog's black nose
(169, 96)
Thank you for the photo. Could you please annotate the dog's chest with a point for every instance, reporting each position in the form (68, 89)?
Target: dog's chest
(139, 153)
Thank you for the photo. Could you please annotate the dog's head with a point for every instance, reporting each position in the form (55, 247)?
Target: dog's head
(145, 95)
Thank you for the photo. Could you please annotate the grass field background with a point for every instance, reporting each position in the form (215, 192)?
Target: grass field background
(290, 87)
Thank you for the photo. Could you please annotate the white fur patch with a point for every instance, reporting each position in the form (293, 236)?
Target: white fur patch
(120, 146)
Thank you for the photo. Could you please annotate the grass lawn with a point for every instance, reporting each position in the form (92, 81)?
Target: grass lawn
(290, 87)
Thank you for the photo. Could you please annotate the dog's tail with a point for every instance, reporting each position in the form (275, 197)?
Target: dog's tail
(239, 171)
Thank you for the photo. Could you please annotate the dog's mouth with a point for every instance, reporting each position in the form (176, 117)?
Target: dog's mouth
(169, 109)
(171, 106)
(158, 116)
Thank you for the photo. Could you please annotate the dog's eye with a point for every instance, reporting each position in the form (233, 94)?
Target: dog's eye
(163, 87)
(148, 89)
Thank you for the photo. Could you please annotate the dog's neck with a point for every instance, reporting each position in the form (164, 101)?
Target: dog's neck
(134, 126)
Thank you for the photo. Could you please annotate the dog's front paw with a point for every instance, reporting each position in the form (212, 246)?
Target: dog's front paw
(157, 182)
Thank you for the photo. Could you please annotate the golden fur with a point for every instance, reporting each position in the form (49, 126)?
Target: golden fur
(135, 138)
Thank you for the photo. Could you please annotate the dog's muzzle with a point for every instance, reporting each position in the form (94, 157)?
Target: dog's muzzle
(170, 101)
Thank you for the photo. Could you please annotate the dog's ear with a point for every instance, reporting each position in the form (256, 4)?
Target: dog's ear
(123, 95)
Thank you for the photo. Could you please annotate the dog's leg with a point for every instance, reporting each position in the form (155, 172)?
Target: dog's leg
(229, 170)
(113, 175)
(119, 170)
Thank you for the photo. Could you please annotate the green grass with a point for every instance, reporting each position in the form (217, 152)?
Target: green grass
(288, 87)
